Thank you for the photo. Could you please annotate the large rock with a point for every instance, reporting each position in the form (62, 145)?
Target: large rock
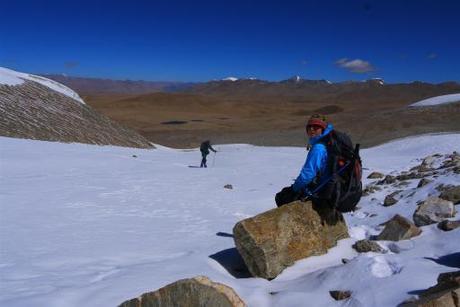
(398, 228)
(446, 293)
(197, 291)
(433, 210)
(274, 240)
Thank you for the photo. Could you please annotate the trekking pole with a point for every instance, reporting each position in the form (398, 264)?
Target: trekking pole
(310, 194)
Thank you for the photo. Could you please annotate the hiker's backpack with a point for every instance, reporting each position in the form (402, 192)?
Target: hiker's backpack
(344, 189)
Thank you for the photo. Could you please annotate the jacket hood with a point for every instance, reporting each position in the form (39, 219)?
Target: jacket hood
(326, 131)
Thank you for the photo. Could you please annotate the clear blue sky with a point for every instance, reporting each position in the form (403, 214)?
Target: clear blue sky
(400, 41)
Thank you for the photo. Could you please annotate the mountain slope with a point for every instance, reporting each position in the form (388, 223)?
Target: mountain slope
(34, 107)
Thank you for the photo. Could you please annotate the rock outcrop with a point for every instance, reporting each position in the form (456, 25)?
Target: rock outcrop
(274, 240)
(398, 228)
(197, 291)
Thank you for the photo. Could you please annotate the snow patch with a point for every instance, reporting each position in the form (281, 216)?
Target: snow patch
(451, 98)
(233, 79)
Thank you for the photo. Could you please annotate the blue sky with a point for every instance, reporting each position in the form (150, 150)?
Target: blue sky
(400, 41)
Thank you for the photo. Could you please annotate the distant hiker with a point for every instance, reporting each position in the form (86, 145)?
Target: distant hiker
(204, 148)
(331, 175)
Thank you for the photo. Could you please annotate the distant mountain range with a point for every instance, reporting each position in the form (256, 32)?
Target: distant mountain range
(294, 86)
(108, 86)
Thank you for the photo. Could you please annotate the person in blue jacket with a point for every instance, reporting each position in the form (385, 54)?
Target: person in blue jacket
(315, 167)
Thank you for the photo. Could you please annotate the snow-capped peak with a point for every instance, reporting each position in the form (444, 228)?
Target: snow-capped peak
(378, 80)
(13, 78)
(230, 79)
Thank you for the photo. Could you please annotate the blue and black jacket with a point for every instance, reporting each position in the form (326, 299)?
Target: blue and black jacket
(316, 163)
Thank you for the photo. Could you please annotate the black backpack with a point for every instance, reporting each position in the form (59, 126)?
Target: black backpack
(343, 190)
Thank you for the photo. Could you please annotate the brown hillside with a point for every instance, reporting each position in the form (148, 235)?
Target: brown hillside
(267, 113)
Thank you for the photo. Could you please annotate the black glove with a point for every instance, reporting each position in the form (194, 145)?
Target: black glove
(287, 195)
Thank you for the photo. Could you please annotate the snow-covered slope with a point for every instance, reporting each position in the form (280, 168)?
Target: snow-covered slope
(84, 225)
(12, 78)
(437, 100)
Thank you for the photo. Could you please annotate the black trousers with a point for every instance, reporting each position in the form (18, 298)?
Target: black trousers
(203, 159)
(324, 207)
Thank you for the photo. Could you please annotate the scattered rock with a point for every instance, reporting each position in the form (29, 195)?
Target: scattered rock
(398, 228)
(390, 200)
(364, 246)
(371, 189)
(445, 293)
(389, 179)
(423, 182)
(451, 193)
(433, 210)
(345, 260)
(375, 175)
(452, 160)
(447, 225)
(339, 295)
(273, 240)
(402, 184)
(409, 176)
(197, 291)
(134, 156)
(373, 215)
(228, 186)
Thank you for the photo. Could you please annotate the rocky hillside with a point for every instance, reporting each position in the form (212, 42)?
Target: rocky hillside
(33, 107)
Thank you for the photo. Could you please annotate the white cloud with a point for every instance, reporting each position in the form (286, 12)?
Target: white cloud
(356, 65)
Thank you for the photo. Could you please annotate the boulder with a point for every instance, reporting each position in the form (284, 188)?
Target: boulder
(375, 175)
(445, 293)
(274, 240)
(451, 193)
(398, 228)
(447, 225)
(228, 186)
(197, 291)
(433, 210)
(364, 246)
